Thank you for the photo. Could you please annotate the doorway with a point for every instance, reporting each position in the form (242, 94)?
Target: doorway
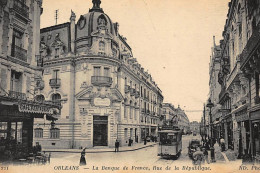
(100, 130)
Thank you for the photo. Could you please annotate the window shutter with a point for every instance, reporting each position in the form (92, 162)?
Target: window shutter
(3, 79)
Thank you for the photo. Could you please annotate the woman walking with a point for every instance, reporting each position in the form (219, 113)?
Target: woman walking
(82, 161)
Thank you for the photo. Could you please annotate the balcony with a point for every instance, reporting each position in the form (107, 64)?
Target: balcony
(55, 83)
(101, 81)
(132, 91)
(19, 53)
(250, 47)
(21, 8)
(137, 94)
(17, 95)
(127, 88)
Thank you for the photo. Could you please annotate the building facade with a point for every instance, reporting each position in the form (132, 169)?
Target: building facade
(195, 126)
(104, 92)
(169, 112)
(20, 35)
(239, 78)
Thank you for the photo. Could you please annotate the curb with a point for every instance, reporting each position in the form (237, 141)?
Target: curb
(105, 151)
(225, 156)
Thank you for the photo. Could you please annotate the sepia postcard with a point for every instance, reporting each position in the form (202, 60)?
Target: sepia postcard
(129, 86)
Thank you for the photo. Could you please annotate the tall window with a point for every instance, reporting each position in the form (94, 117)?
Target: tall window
(257, 88)
(125, 111)
(125, 133)
(97, 71)
(38, 133)
(135, 111)
(101, 46)
(54, 133)
(17, 38)
(131, 110)
(56, 74)
(106, 72)
(16, 81)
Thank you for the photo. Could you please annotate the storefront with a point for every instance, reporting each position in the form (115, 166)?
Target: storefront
(255, 129)
(242, 133)
(16, 125)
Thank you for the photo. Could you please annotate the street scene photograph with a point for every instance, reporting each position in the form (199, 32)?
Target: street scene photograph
(129, 86)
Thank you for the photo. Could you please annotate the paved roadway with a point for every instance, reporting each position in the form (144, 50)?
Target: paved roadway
(146, 156)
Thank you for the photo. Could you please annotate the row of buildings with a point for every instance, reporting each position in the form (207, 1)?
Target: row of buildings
(72, 85)
(234, 80)
(176, 116)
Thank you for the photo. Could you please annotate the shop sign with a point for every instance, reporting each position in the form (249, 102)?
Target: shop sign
(35, 109)
(102, 102)
(242, 117)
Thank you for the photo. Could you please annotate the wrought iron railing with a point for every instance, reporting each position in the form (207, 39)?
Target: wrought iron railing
(55, 83)
(250, 46)
(19, 53)
(127, 88)
(17, 95)
(137, 94)
(21, 8)
(132, 91)
(101, 80)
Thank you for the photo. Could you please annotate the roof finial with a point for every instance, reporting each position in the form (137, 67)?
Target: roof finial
(96, 3)
(96, 6)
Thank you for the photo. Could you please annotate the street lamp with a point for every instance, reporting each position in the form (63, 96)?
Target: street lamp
(210, 105)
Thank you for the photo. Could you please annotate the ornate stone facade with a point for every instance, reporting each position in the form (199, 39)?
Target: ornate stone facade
(104, 91)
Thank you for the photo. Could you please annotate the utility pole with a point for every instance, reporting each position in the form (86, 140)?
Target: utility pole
(56, 16)
(204, 121)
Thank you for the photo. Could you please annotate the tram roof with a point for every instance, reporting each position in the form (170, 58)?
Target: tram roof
(169, 131)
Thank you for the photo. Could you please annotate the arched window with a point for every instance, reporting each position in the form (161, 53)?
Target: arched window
(54, 133)
(40, 98)
(101, 46)
(38, 133)
(56, 98)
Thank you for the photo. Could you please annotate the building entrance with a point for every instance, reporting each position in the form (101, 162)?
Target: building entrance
(100, 130)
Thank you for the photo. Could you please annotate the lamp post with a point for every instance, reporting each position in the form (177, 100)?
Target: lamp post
(210, 105)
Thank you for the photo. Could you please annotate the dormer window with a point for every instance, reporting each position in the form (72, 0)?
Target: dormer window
(101, 46)
(57, 52)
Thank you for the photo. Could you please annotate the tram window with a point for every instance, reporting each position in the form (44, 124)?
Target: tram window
(3, 130)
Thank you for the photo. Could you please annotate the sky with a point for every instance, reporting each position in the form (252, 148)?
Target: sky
(172, 39)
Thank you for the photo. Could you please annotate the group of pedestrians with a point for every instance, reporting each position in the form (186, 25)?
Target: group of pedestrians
(200, 156)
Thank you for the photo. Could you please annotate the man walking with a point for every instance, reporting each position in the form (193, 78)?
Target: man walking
(117, 146)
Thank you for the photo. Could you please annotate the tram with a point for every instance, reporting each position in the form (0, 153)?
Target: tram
(170, 142)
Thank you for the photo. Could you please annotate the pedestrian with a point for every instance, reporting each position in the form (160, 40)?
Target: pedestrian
(117, 146)
(144, 141)
(197, 156)
(205, 153)
(82, 161)
(222, 144)
(129, 142)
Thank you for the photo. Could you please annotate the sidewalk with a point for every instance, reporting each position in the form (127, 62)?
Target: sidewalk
(136, 146)
(225, 156)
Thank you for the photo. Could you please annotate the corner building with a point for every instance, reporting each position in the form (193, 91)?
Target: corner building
(104, 92)
(19, 75)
